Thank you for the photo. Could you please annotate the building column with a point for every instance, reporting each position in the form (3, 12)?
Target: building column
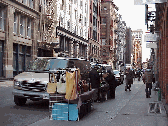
(8, 45)
(71, 49)
(77, 49)
(34, 48)
(86, 52)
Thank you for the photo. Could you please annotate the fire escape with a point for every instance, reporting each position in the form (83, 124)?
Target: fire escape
(49, 23)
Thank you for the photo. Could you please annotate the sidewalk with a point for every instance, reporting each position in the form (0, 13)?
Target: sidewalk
(128, 109)
(6, 83)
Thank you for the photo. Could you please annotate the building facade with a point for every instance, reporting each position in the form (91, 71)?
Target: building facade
(94, 30)
(121, 41)
(108, 34)
(128, 46)
(137, 48)
(161, 52)
(64, 27)
(18, 30)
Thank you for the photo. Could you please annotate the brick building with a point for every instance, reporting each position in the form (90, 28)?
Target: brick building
(161, 27)
(94, 30)
(108, 34)
(137, 47)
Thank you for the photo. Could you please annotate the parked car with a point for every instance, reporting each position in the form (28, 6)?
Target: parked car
(119, 76)
(32, 84)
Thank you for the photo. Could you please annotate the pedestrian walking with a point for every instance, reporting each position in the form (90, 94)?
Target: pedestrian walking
(129, 79)
(148, 78)
(134, 74)
(95, 82)
(110, 79)
(139, 74)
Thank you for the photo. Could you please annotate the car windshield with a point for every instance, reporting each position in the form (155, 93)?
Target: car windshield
(38, 65)
(47, 64)
(116, 72)
(57, 64)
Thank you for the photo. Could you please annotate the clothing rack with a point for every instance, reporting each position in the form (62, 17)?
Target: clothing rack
(56, 101)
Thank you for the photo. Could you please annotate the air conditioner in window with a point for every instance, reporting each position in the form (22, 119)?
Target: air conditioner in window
(111, 48)
(61, 24)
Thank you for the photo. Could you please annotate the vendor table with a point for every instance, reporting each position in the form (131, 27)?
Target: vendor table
(63, 109)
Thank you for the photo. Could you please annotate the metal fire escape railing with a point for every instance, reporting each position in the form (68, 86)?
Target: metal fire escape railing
(50, 19)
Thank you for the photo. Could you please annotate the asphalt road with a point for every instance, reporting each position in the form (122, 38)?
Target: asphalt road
(12, 115)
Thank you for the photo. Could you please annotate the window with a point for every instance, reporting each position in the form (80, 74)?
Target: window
(28, 57)
(94, 21)
(103, 20)
(91, 18)
(2, 17)
(21, 58)
(24, 1)
(103, 41)
(75, 1)
(85, 21)
(85, 8)
(30, 3)
(81, 32)
(95, 35)
(61, 6)
(85, 34)
(105, 8)
(75, 14)
(69, 9)
(80, 18)
(68, 25)
(15, 23)
(29, 27)
(81, 4)
(22, 25)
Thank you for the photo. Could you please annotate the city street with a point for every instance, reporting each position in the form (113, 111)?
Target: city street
(129, 108)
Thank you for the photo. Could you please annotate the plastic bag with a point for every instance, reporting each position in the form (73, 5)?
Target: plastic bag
(51, 88)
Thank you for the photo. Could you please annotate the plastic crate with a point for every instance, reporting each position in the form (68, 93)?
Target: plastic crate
(60, 111)
(73, 112)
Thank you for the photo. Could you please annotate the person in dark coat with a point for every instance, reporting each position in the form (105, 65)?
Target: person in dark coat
(129, 79)
(95, 82)
(110, 79)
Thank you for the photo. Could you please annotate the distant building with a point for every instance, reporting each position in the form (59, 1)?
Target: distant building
(128, 48)
(137, 47)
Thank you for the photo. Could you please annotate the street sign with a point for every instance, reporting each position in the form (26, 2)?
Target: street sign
(150, 37)
(151, 45)
(143, 2)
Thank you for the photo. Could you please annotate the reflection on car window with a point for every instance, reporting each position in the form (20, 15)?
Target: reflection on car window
(47, 64)
(56, 63)
(38, 65)
(116, 72)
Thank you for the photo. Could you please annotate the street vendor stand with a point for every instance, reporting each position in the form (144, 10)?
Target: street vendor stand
(69, 105)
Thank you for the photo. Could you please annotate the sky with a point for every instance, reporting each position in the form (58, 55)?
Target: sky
(134, 16)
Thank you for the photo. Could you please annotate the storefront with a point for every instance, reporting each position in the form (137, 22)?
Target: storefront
(21, 58)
